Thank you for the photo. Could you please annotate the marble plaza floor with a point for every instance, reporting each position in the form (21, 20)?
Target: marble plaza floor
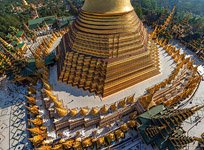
(13, 134)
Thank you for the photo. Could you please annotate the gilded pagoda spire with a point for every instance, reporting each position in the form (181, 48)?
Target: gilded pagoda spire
(166, 23)
(61, 112)
(104, 109)
(177, 117)
(84, 111)
(31, 100)
(94, 111)
(87, 143)
(57, 147)
(101, 141)
(44, 147)
(73, 112)
(119, 134)
(147, 101)
(154, 130)
(34, 109)
(37, 130)
(46, 85)
(68, 144)
(58, 104)
(37, 139)
(5, 58)
(5, 43)
(181, 141)
(37, 121)
(24, 2)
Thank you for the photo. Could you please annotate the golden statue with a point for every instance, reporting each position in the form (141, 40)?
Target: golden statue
(24, 2)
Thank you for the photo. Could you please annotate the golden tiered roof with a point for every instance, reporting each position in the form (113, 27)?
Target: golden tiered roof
(106, 49)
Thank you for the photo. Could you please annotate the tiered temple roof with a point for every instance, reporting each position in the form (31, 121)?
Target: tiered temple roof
(157, 127)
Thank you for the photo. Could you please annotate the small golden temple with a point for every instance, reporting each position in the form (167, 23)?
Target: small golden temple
(107, 49)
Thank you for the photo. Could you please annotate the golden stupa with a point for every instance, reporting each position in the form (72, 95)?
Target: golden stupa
(107, 49)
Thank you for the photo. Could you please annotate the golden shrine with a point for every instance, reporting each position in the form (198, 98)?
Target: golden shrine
(107, 49)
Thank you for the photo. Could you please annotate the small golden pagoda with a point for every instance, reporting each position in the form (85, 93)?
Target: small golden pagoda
(107, 49)
(24, 2)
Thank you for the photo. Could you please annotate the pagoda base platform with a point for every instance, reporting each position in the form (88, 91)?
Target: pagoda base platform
(73, 97)
(144, 75)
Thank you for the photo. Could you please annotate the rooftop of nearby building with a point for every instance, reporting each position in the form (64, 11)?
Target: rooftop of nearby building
(38, 21)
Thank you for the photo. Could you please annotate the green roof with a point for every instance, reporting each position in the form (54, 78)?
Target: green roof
(20, 45)
(50, 20)
(19, 34)
(35, 22)
(9, 36)
(29, 69)
(50, 59)
(14, 43)
(152, 112)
